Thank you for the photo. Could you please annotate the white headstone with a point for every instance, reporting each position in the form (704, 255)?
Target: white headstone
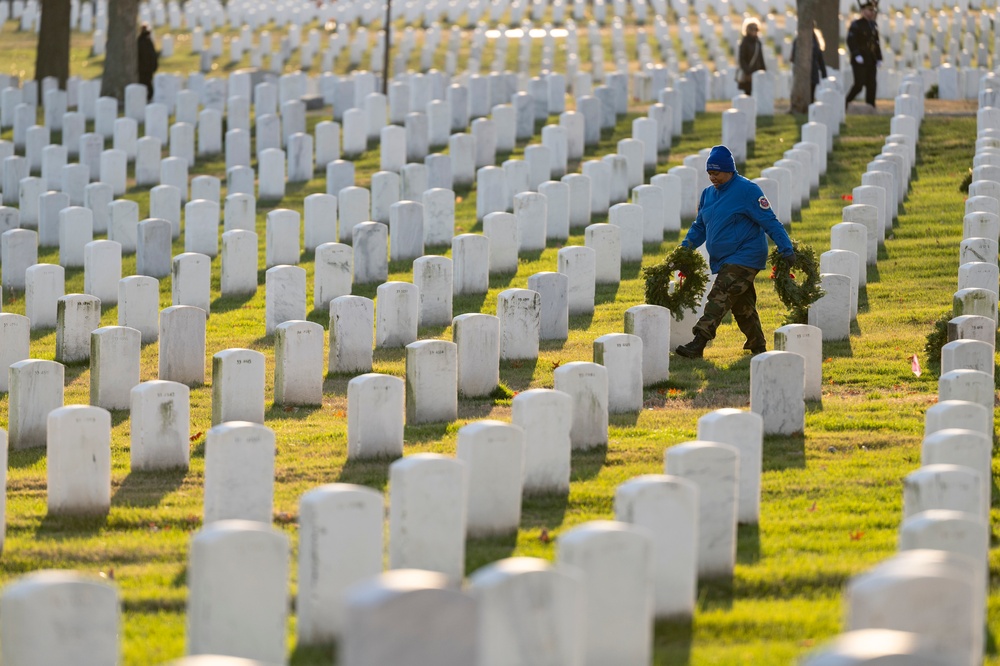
(77, 316)
(621, 354)
(714, 467)
(298, 363)
(238, 600)
(519, 313)
(377, 606)
(52, 617)
(182, 344)
(427, 514)
(375, 416)
(528, 606)
(431, 381)
(352, 319)
(587, 384)
(160, 425)
(616, 562)
(78, 451)
(494, 454)
(36, 389)
(777, 391)
(667, 506)
(340, 528)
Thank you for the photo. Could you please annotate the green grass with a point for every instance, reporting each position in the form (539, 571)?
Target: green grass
(831, 498)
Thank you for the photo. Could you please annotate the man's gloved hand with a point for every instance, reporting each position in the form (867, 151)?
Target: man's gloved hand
(859, 60)
(789, 257)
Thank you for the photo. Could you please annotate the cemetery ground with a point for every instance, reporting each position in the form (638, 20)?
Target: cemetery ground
(831, 497)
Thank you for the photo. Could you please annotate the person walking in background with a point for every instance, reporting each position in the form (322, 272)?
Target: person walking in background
(149, 60)
(817, 70)
(751, 55)
(866, 53)
(733, 218)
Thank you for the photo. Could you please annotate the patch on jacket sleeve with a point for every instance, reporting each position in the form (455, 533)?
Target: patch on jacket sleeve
(763, 202)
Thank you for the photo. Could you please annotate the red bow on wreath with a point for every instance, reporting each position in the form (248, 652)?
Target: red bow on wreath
(774, 273)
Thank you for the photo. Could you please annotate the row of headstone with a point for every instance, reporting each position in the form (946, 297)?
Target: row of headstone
(944, 535)
(868, 219)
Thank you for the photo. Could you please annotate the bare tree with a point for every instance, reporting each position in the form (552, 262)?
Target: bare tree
(52, 54)
(802, 71)
(828, 22)
(121, 60)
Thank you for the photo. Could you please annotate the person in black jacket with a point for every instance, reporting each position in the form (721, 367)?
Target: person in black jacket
(866, 53)
(149, 60)
(751, 55)
(817, 71)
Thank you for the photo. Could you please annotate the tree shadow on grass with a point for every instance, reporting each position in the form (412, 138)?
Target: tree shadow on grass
(480, 551)
(435, 331)
(605, 293)
(784, 452)
(229, 303)
(672, 640)
(147, 489)
(715, 592)
(500, 280)
(468, 303)
(388, 355)
(748, 543)
(368, 291)
(581, 321)
(838, 348)
(545, 510)
(319, 316)
(70, 526)
(371, 472)
(631, 270)
(529, 256)
(25, 458)
(551, 345)
(290, 412)
(863, 305)
(587, 463)
(517, 373)
(72, 371)
(624, 419)
(336, 382)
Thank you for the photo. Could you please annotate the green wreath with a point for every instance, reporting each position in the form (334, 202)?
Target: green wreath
(797, 297)
(686, 291)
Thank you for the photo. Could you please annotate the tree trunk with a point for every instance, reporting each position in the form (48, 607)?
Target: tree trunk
(802, 70)
(52, 54)
(828, 22)
(121, 60)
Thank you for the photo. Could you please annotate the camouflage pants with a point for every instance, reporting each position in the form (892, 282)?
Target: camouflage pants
(733, 291)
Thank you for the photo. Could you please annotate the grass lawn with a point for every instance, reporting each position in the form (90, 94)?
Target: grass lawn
(831, 497)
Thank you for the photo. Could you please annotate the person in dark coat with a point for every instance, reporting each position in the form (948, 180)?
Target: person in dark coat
(817, 71)
(866, 53)
(149, 60)
(751, 55)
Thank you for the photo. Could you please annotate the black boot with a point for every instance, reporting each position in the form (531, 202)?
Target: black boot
(693, 349)
(755, 348)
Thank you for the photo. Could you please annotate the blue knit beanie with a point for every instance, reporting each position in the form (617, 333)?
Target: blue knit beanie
(720, 159)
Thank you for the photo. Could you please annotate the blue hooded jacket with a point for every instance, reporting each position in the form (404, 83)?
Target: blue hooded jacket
(732, 221)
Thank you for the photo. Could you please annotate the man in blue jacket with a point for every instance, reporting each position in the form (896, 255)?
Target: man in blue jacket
(733, 216)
